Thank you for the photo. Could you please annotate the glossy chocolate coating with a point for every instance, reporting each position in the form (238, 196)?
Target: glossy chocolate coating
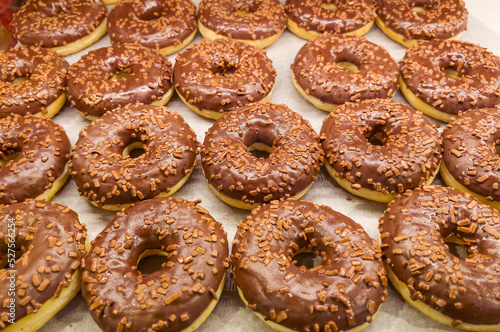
(347, 17)
(478, 85)
(52, 23)
(407, 155)
(92, 90)
(232, 170)
(442, 19)
(316, 71)
(470, 153)
(343, 292)
(51, 240)
(46, 72)
(262, 18)
(221, 74)
(121, 298)
(413, 231)
(43, 148)
(105, 176)
(152, 23)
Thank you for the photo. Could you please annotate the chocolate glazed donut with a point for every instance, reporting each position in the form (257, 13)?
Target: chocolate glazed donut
(343, 293)
(415, 230)
(167, 25)
(335, 69)
(177, 297)
(66, 26)
(245, 181)
(377, 148)
(312, 18)
(443, 78)
(49, 243)
(257, 22)
(470, 159)
(408, 22)
(33, 158)
(109, 177)
(32, 81)
(115, 76)
(211, 77)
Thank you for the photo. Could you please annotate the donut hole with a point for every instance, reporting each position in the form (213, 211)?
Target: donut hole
(222, 67)
(419, 9)
(7, 156)
(347, 66)
(304, 258)
(120, 75)
(456, 247)
(329, 6)
(152, 260)
(20, 79)
(260, 150)
(245, 9)
(451, 72)
(134, 150)
(376, 137)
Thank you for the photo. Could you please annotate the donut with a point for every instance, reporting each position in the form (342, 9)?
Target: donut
(65, 26)
(114, 76)
(211, 77)
(108, 173)
(32, 81)
(377, 149)
(470, 159)
(416, 231)
(41, 248)
(331, 70)
(167, 25)
(442, 78)
(245, 181)
(179, 295)
(257, 22)
(343, 293)
(312, 18)
(33, 158)
(408, 22)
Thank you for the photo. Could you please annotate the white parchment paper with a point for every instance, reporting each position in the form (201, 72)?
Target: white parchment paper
(230, 314)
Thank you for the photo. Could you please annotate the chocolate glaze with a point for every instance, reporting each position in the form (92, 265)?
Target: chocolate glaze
(470, 154)
(43, 149)
(46, 72)
(52, 23)
(343, 292)
(264, 18)
(409, 154)
(231, 169)
(413, 231)
(443, 19)
(92, 91)
(105, 177)
(152, 23)
(221, 74)
(349, 15)
(51, 240)
(477, 87)
(316, 71)
(121, 298)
